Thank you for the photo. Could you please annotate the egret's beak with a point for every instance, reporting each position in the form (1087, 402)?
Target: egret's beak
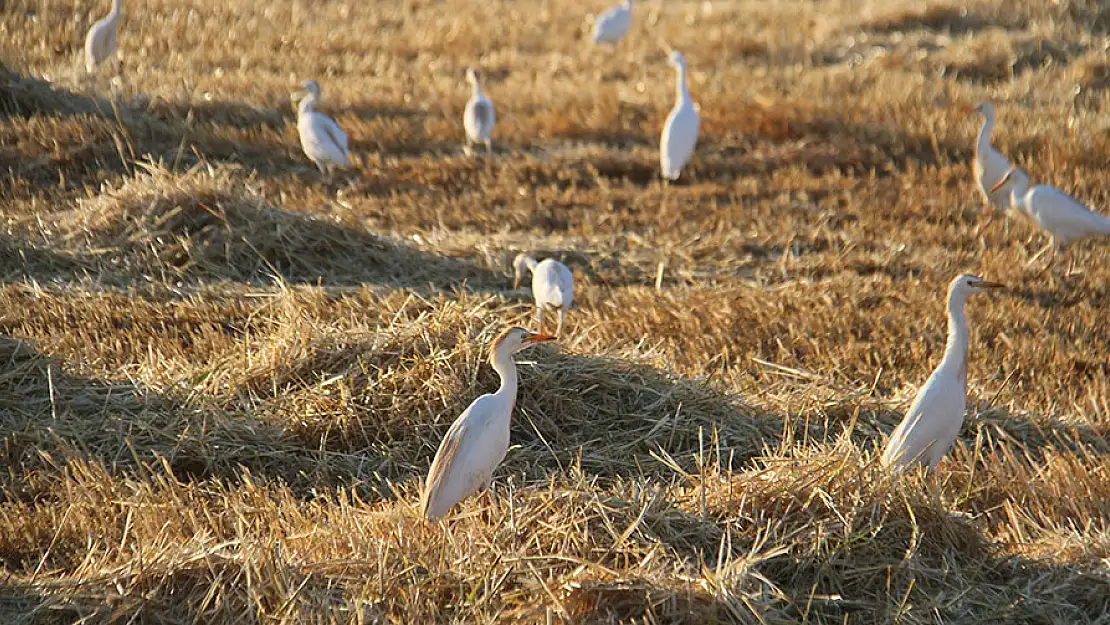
(516, 281)
(968, 110)
(1005, 179)
(539, 338)
(985, 284)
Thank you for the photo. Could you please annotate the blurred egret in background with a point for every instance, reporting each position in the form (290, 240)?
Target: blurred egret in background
(322, 139)
(552, 286)
(478, 117)
(680, 132)
(100, 42)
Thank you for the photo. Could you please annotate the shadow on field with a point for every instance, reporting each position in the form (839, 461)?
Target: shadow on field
(21, 261)
(389, 397)
(50, 416)
(940, 19)
(205, 226)
(87, 140)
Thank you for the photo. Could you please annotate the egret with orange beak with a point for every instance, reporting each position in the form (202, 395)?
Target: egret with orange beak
(478, 440)
(937, 413)
(1061, 216)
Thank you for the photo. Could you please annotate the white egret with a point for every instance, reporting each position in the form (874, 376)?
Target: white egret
(478, 117)
(322, 139)
(100, 42)
(680, 132)
(1057, 213)
(612, 25)
(989, 165)
(552, 286)
(937, 413)
(478, 440)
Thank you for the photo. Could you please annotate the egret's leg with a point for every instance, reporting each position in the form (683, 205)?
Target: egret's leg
(562, 318)
(539, 318)
(489, 146)
(1039, 254)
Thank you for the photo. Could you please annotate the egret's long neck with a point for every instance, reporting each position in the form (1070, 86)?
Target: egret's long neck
(984, 140)
(502, 362)
(117, 6)
(475, 89)
(307, 105)
(955, 352)
(681, 93)
(530, 263)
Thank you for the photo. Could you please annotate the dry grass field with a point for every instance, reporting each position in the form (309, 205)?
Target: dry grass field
(223, 377)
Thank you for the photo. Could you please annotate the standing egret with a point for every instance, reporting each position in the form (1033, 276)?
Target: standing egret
(552, 286)
(989, 165)
(478, 117)
(1055, 212)
(680, 132)
(100, 42)
(322, 139)
(937, 413)
(612, 25)
(478, 440)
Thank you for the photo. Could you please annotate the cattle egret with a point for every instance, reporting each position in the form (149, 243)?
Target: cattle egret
(612, 25)
(1052, 210)
(477, 441)
(937, 413)
(552, 286)
(478, 117)
(322, 139)
(100, 42)
(989, 165)
(680, 132)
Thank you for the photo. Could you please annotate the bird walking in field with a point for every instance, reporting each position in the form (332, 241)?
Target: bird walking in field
(1061, 216)
(322, 140)
(478, 440)
(937, 413)
(612, 25)
(100, 42)
(680, 132)
(478, 117)
(989, 165)
(552, 286)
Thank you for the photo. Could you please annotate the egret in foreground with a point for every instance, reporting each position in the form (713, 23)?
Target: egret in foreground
(478, 440)
(478, 117)
(552, 286)
(989, 165)
(612, 25)
(322, 139)
(1055, 212)
(937, 413)
(100, 42)
(680, 132)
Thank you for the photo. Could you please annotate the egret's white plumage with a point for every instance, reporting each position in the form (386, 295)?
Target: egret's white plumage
(989, 165)
(552, 286)
(680, 132)
(478, 117)
(612, 25)
(100, 42)
(1057, 213)
(478, 440)
(322, 139)
(937, 413)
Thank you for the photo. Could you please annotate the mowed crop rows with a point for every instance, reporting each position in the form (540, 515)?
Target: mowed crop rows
(223, 377)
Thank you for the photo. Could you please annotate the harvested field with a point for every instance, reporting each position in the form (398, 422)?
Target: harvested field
(224, 375)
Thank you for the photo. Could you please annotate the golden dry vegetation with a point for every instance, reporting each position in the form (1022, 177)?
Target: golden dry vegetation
(224, 377)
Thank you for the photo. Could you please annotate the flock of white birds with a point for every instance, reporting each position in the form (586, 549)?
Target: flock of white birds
(478, 440)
